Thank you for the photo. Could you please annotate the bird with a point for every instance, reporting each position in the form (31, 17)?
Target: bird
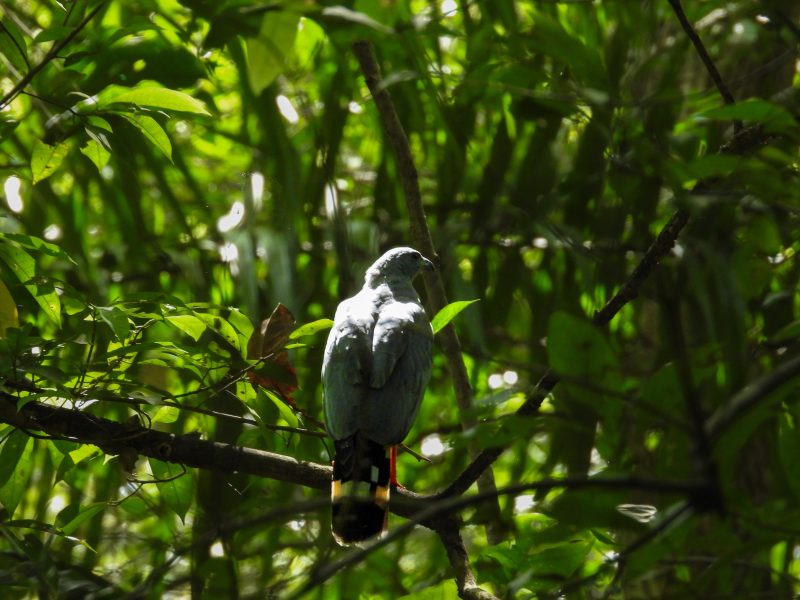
(376, 367)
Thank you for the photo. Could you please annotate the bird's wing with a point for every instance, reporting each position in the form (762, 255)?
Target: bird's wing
(401, 364)
(345, 367)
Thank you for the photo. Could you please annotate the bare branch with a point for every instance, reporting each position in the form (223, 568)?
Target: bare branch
(705, 57)
(750, 396)
(53, 53)
(660, 247)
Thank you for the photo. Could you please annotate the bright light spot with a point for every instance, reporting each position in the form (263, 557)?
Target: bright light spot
(57, 504)
(540, 243)
(257, 188)
(228, 252)
(738, 29)
(287, 110)
(355, 108)
(523, 503)
(107, 173)
(763, 19)
(217, 550)
(297, 525)
(331, 200)
(232, 219)
(36, 351)
(206, 55)
(495, 381)
(445, 43)
(181, 128)
(678, 250)
(510, 377)
(432, 446)
(449, 8)
(52, 232)
(777, 259)
(13, 198)
(643, 513)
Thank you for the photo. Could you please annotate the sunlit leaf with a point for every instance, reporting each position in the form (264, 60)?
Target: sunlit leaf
(16, 465)
(153, 97)
(95, 152)
(448, 313)
(311, 328)
(46, 159)
(23, 266)
(269, 53)
(152, 131)
(189, 324)
(12, 45)
(8, 310)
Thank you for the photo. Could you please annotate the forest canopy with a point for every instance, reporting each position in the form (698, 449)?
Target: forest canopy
(611, 194)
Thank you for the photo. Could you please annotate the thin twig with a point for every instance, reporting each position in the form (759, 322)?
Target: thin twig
(53, 53)
(705, 57)
(750, 396)
(660, 247)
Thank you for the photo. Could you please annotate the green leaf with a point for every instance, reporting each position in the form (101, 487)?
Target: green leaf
(12, 45)
(152, 131)
(342, 13)
(269, 53)
(23, 266)
(575, 347)
(222, 327)
(95, 152)
(84, 514)
(774, 117)
(116, 319)
(448, 313)
(445, 590)
(286, 412)
(152, 97)
(15, 469)
(176, 487)
(311, 328)
(189, 324)
(46, 159)
(166, 414)
(8, 310)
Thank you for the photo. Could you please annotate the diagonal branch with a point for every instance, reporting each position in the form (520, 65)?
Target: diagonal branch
(421, 238)
(629, 290)
(53, 53)
(705, 57)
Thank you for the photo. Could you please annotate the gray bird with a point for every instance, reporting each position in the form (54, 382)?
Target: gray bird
(376, 367)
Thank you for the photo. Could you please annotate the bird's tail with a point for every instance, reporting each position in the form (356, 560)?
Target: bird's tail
(359, 489)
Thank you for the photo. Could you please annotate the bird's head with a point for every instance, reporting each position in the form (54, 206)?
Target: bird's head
(398, 264)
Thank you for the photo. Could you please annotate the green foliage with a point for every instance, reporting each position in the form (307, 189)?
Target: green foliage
(174, 171)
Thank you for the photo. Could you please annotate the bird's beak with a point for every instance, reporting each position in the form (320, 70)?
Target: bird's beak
(427, 265)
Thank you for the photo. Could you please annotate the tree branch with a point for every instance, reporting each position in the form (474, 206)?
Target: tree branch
(749, 396)
(53, 53)
(705, 57)
(421, 238)
(660, 247)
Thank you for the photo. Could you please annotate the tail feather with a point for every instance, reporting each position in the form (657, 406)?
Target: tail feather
(359, 489)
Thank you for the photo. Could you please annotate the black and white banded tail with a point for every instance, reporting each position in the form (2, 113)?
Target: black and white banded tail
(359, 489)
